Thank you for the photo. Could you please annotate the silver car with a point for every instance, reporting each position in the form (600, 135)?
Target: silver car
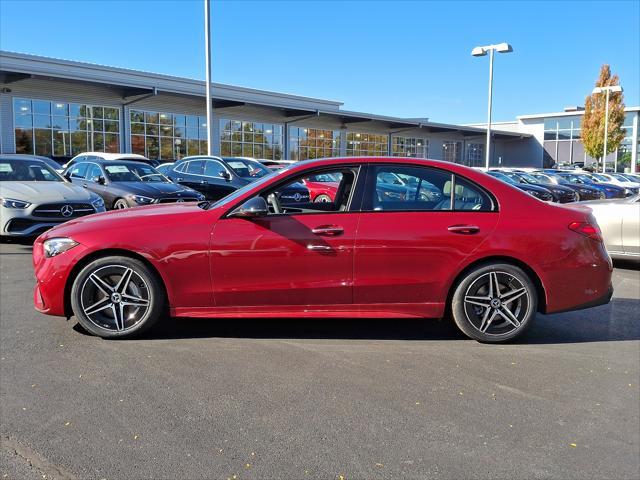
(619, 220)
(34, 197)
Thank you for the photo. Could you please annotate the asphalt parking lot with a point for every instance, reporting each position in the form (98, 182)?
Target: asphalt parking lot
(318, 398)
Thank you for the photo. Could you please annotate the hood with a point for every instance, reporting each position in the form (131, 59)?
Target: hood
(153, 189)
(45, 192)
(150, 218)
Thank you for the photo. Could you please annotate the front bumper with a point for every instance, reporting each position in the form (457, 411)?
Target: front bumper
(38, 218)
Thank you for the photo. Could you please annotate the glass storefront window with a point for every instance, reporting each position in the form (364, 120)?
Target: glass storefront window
(409, 147)
(475, 155)
(251, 139)
(62, 129)
(165, 136)
(452, 151)
(359, 144)
(310, 143)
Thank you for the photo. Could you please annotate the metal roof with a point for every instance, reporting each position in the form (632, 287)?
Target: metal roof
(19, 66)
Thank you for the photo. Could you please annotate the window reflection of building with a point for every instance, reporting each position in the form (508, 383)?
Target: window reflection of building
(562, 142)
(310, 143)
(452, 151)
(167, 136)
(475, 155)
(251, 139)
(366, 144)
(409, 147)
(61, 129)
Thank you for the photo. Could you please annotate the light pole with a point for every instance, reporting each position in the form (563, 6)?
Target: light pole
(596, 91)
(481, 52)
(207, 61)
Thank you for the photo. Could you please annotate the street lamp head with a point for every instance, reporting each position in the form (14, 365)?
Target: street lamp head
(616, 88)
(479, 52)
(596, 91)
(611, 88)
(504, 48)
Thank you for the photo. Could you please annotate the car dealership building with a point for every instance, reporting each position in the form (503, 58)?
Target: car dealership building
(60, 108)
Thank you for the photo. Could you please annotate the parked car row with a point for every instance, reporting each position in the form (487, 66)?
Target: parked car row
(570, 186)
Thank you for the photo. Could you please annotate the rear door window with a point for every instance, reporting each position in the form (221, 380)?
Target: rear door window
(79, 170)
(194, 167)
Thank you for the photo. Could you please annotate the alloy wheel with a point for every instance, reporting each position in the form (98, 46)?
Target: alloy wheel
(115, 298)
(497, 303)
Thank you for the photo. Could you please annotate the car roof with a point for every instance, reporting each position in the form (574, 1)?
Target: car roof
(25, 157)
(132, 163)
(113, 156)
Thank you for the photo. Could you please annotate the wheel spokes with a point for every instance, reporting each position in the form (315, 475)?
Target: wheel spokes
(513, 295)
(103, 286)
(123, 283)
(100, 305)
(490, 321)
(508, 316)
(484, 302)
(134, 301)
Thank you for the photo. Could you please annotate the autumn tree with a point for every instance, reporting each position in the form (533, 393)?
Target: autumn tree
(594, 113)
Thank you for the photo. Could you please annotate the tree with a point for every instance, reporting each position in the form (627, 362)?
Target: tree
(594, 112)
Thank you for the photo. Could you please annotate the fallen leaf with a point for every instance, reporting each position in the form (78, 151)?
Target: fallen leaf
(417, 403)
(460, 393)
(135, 437)
(379, 465)
(253, 454)
(248, 465)
(67, 424)
(573, 445)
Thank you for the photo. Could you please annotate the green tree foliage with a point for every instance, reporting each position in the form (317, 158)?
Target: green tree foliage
(593, 121)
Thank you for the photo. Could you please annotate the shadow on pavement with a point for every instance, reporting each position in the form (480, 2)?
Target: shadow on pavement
(617, 321)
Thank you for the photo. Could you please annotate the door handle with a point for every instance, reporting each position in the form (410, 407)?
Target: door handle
(179, 179)
(204, 182)
(319, 248)
(85, 185)
(464, 229)
(328, 230)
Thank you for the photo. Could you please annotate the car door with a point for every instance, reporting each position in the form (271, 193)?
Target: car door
(409, 243)
(631, 227)
(92, 180)
(216, 180)
(76, 174)
(301, 256)
(189, 174)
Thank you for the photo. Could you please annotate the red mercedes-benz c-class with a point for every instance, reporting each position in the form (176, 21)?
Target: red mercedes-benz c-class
(480, 250)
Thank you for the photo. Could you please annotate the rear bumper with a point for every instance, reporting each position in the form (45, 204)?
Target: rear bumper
(603, 300)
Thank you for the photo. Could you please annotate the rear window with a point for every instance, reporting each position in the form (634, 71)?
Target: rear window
(27, 171)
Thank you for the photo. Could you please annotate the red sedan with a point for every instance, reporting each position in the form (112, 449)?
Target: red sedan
(484, 251)
(322, 187)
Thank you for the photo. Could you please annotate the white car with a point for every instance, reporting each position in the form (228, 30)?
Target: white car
(617, 179)
(34, 197)
(619, 220)
(109, 156)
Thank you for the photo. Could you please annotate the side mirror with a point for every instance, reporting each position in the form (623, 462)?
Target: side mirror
(226, 175)
(252, 208)
(67, 176)
(100, 180)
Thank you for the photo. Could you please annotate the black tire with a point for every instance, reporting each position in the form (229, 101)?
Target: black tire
(322, 199)
(120, 204)
(109, 304)
(484, 316)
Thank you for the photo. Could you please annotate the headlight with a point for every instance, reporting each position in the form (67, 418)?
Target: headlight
(142, 200)
(558, 192)
(56, 246)
(201, 197)
(584, 191)
(11, 203)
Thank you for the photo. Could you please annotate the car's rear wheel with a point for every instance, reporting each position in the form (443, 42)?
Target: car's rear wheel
(323, 199)
(120, 204)
(117, 297)
(494, 303)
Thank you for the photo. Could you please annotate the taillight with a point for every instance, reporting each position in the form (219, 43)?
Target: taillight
(586, 229)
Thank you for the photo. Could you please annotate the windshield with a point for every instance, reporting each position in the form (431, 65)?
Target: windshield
(620, 177)
(134, 173)
(529, 178)
(503, 177)
(247, 168)
(241, 191)
(27, 171)
(540, 178)
(602, 178)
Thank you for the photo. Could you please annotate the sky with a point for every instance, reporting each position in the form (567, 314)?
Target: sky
(397, 58)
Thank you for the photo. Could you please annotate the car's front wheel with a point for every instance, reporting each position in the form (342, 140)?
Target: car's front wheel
(322, 199)
(117, 297)
(120, 204)
(494, 303)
